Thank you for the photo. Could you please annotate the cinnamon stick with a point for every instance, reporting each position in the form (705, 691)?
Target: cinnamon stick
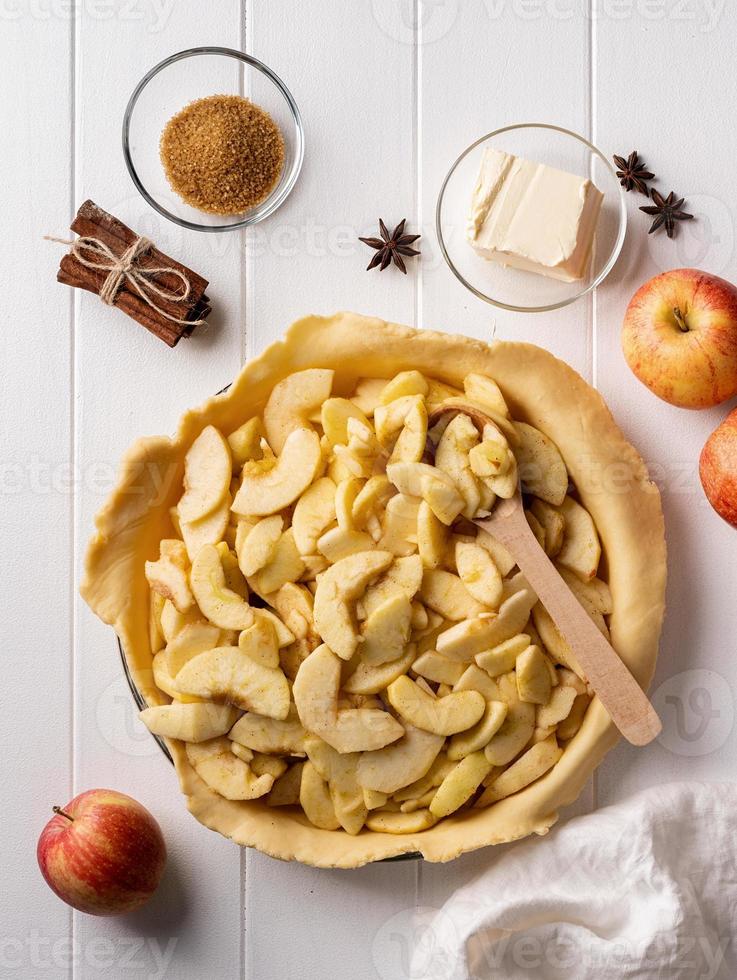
(92, 221)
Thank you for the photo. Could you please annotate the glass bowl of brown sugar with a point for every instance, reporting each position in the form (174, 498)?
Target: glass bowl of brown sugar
(213, 139)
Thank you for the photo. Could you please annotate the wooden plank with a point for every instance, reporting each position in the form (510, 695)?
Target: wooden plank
(696, 674)
(496, 63)
(354, 84)
(129, 383)
(36, 485)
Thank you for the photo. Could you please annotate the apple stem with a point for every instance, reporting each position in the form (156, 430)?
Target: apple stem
(680, 319)
(62, 813)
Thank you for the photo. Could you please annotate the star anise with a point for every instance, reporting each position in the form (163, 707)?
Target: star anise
(632, 172)
(390, 247)
(667, 210)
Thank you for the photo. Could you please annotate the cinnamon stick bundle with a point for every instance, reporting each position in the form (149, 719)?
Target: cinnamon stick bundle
(148, 309)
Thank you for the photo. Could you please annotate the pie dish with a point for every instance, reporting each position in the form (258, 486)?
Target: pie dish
(286, 591)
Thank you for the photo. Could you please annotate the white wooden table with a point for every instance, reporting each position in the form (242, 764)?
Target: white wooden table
(390, 92)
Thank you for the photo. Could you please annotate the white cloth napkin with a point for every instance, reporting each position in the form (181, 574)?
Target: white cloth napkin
(645, 889)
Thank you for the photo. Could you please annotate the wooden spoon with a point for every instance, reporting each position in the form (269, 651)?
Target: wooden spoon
(614, 685)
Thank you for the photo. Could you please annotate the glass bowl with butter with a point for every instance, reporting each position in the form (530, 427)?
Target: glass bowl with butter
(531, 217)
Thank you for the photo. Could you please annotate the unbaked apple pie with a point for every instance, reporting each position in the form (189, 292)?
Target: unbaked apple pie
(332, 644)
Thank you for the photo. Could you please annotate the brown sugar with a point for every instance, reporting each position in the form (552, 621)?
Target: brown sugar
(222, 154)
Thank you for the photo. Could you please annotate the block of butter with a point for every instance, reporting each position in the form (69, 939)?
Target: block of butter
(533, 217)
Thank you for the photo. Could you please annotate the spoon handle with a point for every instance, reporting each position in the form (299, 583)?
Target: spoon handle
(616, 688)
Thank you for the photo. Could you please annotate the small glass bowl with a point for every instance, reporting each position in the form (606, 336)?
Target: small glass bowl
(514, 289)
(179, 80)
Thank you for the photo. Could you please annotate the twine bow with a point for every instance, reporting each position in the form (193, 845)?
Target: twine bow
(127, 267)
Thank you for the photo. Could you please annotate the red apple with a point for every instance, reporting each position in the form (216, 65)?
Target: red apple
(718, 469)
(680, 337)
(103, 853)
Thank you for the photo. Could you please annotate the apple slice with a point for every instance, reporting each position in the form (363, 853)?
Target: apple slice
(334, 418)
(315, 690)
(474, 678)
(338, 543)
(403, 576)
(227, 674)
(314, 512)
(285, 791)
(534, 682)
(268, 492)
(367, 679)
(515, 732)
(401, 763)
(271, 735)
(437, 669)
(221, 605)
(259, 544)
(228, 775)
(503, 657)
(485, 393)
(367, 394)
(432, 536)
(448, 596)
(386, 631)
(207, 530)
(285, 566)
(558, 707)
(529, 767)
(447, 715)
(345, 495)
(403, 384)
(374, 494)
(207, 473)
(259, 642)
(294, 604)
(464, 640)
(478, 573)
(338, 586)
(189, 722)
(502, 559)
(389, 419)
(451, 456)
(339, 771)
(170, 581)
(291, 401)
(430, 483)
(314, 797)
(193, 639)
(479, 736)
(399, 525)
(581, 549)
(460, 784)
(284, 636)
(362, 730)
(541, 467)
(383, 822)
(412, 441)
(245, 442)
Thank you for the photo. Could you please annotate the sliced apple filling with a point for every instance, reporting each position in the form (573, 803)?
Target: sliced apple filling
(335, 633)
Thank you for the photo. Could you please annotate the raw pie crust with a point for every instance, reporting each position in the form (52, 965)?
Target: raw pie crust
(612, 484)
